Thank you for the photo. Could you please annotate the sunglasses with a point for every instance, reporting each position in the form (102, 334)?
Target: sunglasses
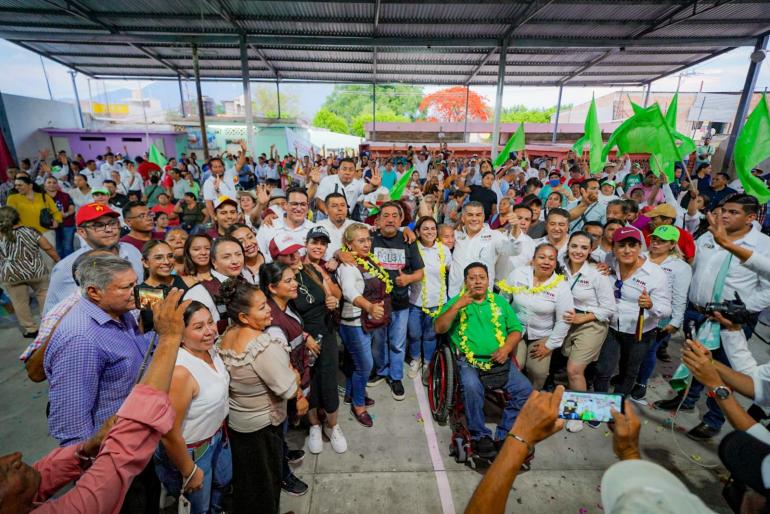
(618, 287)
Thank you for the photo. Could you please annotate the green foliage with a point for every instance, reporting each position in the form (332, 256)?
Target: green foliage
(357, 127)
(351, 100)
(324, 118)
(519, 113)
(265, 102)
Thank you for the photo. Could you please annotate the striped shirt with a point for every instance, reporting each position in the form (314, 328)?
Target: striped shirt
(20, 260)
(49, 322)
(91, 363)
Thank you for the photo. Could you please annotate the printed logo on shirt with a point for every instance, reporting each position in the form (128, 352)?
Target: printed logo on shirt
(584, 282)
(486, 237)
(640, 283)
(548, 295)
(392, 259)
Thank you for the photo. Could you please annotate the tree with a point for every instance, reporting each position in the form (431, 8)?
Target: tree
(351, 100)
(519, 113)
(265, 102)
(449, 105)
(357, 127)
(324, 118)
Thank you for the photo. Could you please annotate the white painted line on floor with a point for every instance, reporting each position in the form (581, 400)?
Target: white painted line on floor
(442, 480)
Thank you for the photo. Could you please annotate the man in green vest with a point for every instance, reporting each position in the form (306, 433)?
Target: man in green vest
(483, 328)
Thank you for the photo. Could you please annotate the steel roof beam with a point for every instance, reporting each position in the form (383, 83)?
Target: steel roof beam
(52, 58)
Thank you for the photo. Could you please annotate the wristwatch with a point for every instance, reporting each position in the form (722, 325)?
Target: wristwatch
(720, 392)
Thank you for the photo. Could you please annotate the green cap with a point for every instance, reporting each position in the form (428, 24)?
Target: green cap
(667, 233)
(100, 190)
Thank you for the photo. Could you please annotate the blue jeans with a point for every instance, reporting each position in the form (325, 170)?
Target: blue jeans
(648, 364)
(422, 337)
(518, 387)
(65, 240)
(358, 345)
(216, 464)
(388, 345)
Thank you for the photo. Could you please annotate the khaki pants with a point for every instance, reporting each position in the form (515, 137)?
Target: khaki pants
(19, 295)
(537, 369)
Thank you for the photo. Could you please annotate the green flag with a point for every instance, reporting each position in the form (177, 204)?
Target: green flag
(156, 157)
(686, 145)
(751, 148)
(593, 137)
(514, 144)
(647, 132)
(398, 187)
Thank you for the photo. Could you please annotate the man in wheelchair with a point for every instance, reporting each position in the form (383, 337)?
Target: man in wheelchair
(482, 326)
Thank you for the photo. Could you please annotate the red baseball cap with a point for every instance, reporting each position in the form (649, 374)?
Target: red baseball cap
(92, 211)
(283, 244)
(624, 233)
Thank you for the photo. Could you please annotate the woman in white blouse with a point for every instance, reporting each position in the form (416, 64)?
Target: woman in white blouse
(427, 296)
(541, 299)
(594, 307)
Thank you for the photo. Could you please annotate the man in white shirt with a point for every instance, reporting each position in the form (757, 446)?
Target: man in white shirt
(109, 166)
(524, 245)
(345, 182)
(92, 174)
(222, 181)
(336, 223)
(295, 223)
(476, 242)
(421, 164)
(556, 231)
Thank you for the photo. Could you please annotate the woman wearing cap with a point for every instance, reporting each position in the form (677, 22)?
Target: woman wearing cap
(226, 263)
(643, 298)
(664, 252)
(253, 259)
(318, 297)
(427, 296)
(594, 307)
(542, 301)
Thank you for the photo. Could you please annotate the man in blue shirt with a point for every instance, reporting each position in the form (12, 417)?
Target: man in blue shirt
(95, 354)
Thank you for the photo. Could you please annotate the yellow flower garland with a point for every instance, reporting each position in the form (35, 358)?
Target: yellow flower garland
(499, 336)
(374, 268)
(503, 285)
(442, 280)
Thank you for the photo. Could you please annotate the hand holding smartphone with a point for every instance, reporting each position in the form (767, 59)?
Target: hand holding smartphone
(586, 406)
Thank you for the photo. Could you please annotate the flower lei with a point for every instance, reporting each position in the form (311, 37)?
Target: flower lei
(499, 336)
(373, 268)
(503, 285)
(442, 280)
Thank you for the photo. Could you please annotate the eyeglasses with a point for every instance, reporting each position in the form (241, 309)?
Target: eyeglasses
(102, 227)
(618, 287)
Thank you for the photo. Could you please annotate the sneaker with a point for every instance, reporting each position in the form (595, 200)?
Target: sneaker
(375, 381)
(663, 355)
(367, 401)
(397, 389)
(574, 425)
(336, 438)
(295, 456)
(414, 368)
(673, 404)
(315, 441)
(293, 485)
(593, 423)
(702, 432)
(485, 448)
(638, 393)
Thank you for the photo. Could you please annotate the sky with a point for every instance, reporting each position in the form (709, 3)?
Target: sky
(23, 75)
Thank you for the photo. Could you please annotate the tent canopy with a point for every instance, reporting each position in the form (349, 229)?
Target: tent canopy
(550, 42)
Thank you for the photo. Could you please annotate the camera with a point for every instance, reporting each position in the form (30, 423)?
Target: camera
(733, 310)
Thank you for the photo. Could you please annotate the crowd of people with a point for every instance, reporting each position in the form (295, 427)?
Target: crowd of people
(238, 293)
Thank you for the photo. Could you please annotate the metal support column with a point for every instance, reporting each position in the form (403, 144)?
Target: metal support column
(278, 95)
(374, 111)
(647, 94)
(181, 95)
(247, 93)
(77, 97)
(743, 103)
(558, 112)
(467, 99)
(201, 112)
(499, 96)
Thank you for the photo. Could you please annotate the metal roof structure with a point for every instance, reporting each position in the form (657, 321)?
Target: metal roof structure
(549, 42)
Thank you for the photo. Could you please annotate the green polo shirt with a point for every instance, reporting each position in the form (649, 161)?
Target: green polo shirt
(481, 330)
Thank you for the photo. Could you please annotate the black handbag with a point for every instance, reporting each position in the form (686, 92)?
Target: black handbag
(46, 217)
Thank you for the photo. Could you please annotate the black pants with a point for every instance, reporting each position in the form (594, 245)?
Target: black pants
(323, 377)
(623, 351)
(257, 461)
(143, 495)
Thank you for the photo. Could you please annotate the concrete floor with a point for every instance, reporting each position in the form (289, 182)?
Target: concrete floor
(388, 468)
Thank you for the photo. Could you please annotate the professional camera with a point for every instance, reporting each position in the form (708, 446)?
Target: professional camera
(733, 310)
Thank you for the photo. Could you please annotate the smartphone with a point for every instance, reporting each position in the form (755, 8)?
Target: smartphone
(554, 183)
(146, 297)
(589, 406)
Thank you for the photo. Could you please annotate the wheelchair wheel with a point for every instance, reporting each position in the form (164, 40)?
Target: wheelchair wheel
(441, 384)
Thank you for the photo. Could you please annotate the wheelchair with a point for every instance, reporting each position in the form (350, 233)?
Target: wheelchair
(446, 401)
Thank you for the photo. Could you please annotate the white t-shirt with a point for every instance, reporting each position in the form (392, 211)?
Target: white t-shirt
(592, 292)
(422, 167)
(226, 186)
(332, 183)
(335, 234)
(267, 234)
(652, 278)
(486, 247)
(432, 274)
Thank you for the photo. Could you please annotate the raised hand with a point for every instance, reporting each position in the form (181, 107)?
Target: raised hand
(376, 178)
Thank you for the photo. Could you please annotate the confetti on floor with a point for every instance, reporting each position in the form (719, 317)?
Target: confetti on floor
(695, 457)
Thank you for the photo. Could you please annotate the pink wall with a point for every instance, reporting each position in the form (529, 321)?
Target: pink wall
(172, 143)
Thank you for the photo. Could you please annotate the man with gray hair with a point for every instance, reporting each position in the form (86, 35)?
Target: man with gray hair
(96, 352)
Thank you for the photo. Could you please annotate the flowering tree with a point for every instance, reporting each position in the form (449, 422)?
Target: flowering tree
(449, 105)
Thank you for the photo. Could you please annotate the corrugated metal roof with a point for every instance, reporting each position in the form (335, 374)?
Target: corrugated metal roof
(587, 42)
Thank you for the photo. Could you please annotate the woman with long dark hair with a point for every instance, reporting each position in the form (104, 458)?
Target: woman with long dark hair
(197, 259)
